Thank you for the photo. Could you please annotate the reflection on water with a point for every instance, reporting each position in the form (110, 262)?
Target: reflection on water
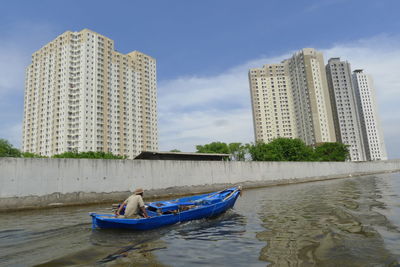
(347, 222)
(331, 223)
(222, 241)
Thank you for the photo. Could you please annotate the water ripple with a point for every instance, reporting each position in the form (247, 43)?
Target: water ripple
(346, 222)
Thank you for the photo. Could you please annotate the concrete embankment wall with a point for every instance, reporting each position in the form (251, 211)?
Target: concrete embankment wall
(33, 183)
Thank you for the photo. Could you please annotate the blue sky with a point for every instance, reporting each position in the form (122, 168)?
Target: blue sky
(203, 51)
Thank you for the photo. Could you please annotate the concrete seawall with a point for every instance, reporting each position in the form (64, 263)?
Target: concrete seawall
(35, 183)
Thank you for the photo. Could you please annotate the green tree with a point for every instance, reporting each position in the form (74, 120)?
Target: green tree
(214, 147)
(281, 149)
(31, 155)
(331, 152)
(259, 151)
(7, 149)
(238, 151)
(175, 150)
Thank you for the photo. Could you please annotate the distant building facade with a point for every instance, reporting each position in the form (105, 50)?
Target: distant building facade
(291, 99)
(347, 118)
(302, 98)
(272, 102)
(372, 132)
(311, 97)
(82, 95)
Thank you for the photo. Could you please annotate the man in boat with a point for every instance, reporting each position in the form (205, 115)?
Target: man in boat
(134, 206)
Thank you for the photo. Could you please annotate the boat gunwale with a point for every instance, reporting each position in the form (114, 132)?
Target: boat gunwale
(134, 221)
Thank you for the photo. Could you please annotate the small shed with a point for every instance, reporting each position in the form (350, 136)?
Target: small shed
(156, 155)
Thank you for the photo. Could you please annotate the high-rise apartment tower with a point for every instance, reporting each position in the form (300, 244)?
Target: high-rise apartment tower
(291, 99)
(311, 97)
(372, 132)
(82, 95)
(346, 114)
(272, 101)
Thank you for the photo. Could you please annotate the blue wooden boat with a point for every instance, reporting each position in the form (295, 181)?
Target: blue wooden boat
(173, 211)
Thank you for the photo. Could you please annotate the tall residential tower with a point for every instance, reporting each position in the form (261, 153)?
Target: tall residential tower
(272, 102)
(311, 97)
(291, 99)
(346, 114)
(82, 95)
(372, 132)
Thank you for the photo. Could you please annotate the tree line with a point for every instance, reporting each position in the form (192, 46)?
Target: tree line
(7, 150)
(279, 149)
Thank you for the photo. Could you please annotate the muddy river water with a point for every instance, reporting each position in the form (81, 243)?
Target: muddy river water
(344, 222)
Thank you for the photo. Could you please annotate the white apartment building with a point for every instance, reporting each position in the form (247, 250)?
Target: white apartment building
(372, 133)
(272, 102)
(311, 97)
(345, 111)
(82, 95)
(291, 99)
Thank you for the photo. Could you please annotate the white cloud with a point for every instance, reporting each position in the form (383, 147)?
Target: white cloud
(188, 129)
(200, 110)
(226, 89)
(191, 109)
